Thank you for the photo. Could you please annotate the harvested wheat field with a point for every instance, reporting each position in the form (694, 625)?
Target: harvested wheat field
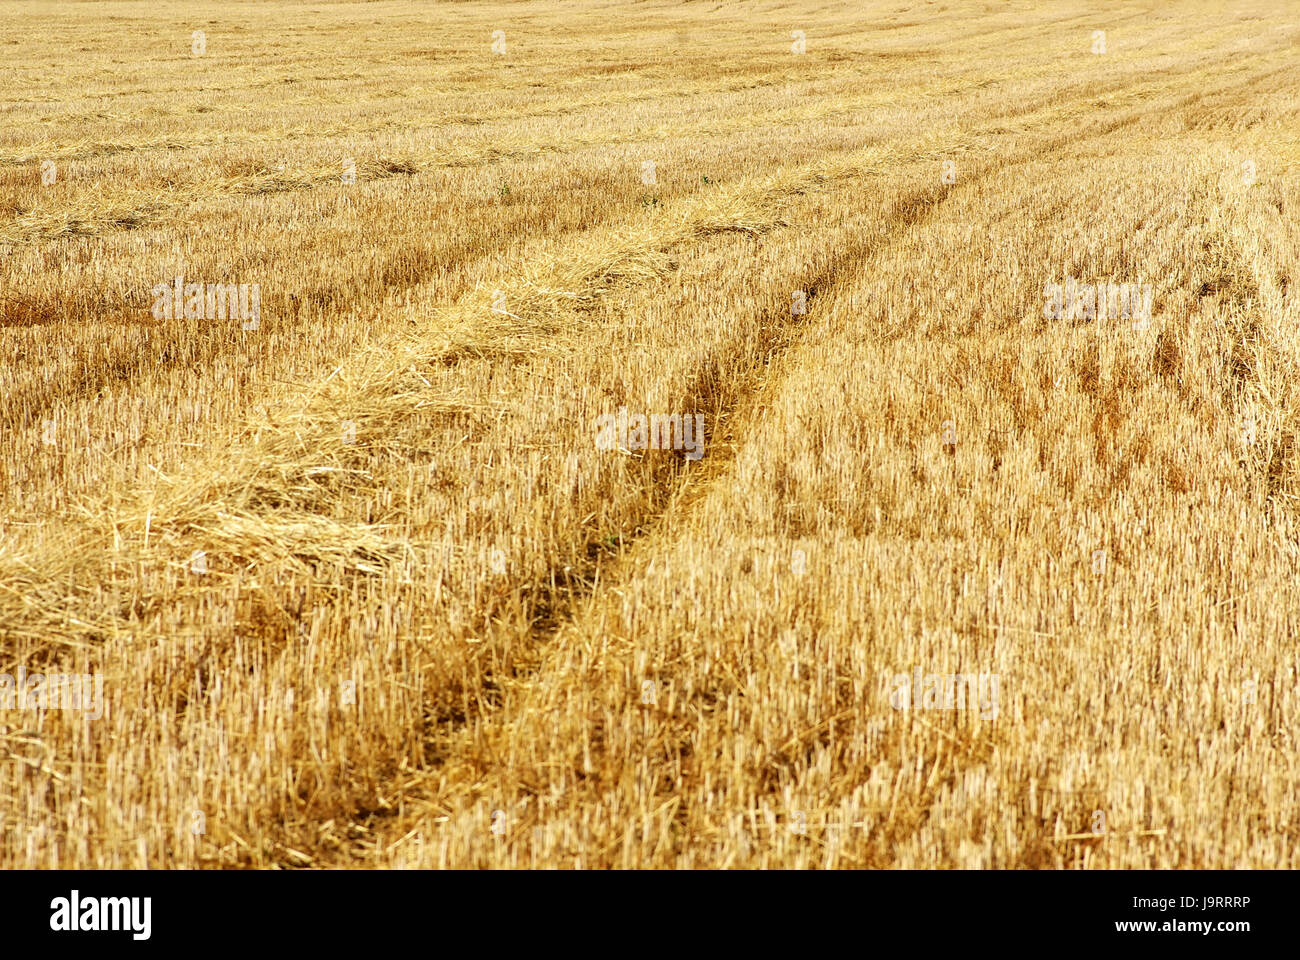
(810, 435)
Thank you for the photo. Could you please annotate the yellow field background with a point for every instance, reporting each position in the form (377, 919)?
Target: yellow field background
(432, 625)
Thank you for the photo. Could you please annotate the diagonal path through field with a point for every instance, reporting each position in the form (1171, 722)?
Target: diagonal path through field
(589, 660)
(842, 580)
(427, 529)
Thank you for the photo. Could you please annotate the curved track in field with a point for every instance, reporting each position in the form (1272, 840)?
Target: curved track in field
(434, 625)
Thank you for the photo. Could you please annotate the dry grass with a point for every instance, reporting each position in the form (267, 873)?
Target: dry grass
(364, 591)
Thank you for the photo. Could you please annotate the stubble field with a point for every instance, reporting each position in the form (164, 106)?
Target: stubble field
(363, 588)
